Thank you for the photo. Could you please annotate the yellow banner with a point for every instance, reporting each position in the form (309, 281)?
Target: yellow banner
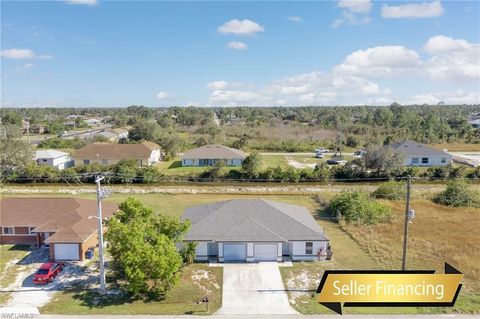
(389, 288)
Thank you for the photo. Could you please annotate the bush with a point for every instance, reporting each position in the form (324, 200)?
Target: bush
(457, 194)
(390, 190)
(357, 206)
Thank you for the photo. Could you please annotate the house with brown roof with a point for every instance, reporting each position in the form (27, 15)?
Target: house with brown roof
(145, 153)
(65, 224)
(209, 155)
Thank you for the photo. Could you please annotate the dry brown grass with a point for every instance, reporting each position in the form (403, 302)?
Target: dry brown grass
(458, 147)
(438, 234)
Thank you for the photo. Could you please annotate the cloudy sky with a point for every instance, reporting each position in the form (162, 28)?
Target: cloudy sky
(346, 52)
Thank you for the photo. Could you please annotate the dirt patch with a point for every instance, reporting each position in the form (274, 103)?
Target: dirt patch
(300, 286)
(297, 164)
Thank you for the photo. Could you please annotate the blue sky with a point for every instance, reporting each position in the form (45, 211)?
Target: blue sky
(346, 52)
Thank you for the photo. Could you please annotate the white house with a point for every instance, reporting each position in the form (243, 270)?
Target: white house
(209, 155)
(254, 230)
(53, 158)
(416, 154)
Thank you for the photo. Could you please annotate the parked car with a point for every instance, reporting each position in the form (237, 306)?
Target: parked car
(336, 162)
(47, 272)
(319, 155)
(359, 153)
(322, 150)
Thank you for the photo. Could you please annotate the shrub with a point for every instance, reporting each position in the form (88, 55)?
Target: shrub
(357, 206)
(390, 190)
(457, 194)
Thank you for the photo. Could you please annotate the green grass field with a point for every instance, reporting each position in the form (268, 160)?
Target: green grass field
(196, 281)
(438, 234)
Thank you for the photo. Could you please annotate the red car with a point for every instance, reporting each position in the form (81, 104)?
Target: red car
(47, 272)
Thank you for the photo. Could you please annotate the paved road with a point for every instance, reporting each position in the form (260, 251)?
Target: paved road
(253, 289)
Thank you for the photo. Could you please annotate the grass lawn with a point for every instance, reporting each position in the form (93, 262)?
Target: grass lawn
(196, 282)
(273, 161)
(174, 168)
(9, 256)
(438, 234)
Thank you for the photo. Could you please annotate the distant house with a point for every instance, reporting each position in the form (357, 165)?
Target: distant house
(53, 158)
(93, 122)
(62, 223)
(70, 124)
(144, 154)
(114, 134)
(416, 154)
(37, 129)
(254, 230)
(209, 155)
(475, 123)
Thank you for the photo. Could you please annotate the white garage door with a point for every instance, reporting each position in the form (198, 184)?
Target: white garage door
(234, 252)
(265, 252)
(66, 251)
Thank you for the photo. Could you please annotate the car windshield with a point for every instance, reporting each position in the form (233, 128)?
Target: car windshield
(42, 271)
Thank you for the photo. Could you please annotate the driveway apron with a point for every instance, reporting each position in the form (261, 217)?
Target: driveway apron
(255, 288)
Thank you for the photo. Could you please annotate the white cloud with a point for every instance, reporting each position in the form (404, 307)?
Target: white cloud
(355, 12)
(441, 44)
(20, 54)
(84, 2)
(244, 27)
(234, 98)
(295, 19)
(163, 95)
(452, 59)
(457, 97)
(236, 45)
(25, 67)
(17, 53)
(380, 60)
(357, 6)
(223, 85)
(413, 10)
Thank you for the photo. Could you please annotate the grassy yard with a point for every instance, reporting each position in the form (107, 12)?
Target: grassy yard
(458, 147)
(196, 282)
(438, 234)
(273, 161)
(9, 256)
(174, 168)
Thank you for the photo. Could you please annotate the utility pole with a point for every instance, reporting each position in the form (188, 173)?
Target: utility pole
(408, 216)
(101, 194)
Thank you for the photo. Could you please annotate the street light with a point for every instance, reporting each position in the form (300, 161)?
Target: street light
(102, 193)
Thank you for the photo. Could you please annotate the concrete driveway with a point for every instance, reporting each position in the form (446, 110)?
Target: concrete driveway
(255, 288)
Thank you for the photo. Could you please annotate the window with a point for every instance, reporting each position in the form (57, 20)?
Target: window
(443, 160)
(8, 230)
(424, 160)
(44, 160)
(86, 162)
(30, 230)
(415, 160)
(308, 248)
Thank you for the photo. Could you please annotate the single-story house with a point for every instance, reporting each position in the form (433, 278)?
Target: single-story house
(93, 122)
(416, 154)
(254, 230)
(209, 155)
(145, 153)
(61, 223)
(114, 135)
(475, 123)
(53, 158)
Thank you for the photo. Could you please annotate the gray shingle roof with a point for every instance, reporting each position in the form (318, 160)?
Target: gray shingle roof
(253, 220)
(411, 148)
(215, 152)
